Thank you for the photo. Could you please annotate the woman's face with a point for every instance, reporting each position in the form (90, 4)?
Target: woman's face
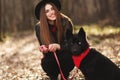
(50, 12)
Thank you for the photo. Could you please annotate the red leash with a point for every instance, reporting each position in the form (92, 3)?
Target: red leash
(63, 77)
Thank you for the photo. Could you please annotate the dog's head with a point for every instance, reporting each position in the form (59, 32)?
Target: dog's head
(77, 42)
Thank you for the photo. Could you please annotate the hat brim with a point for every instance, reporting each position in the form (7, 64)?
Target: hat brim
(43, 2)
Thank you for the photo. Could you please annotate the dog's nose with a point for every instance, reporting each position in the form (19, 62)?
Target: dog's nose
(74, 51)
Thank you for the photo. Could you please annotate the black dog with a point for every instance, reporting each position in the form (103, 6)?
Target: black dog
(92, 63)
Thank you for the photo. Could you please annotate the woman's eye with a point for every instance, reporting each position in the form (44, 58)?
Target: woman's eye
(52, 8)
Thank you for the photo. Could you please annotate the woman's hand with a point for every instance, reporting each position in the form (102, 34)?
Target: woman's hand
(43, 48)
(53, 47)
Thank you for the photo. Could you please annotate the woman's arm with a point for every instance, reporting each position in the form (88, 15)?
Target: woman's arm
(37, 31)
(42, 48)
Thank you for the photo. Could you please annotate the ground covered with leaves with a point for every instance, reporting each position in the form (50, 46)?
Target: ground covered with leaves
(20, 57)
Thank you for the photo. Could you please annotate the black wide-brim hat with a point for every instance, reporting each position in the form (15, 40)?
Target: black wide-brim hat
(43, 2)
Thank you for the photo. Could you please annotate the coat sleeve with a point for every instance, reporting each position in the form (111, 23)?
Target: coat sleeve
(37, 31)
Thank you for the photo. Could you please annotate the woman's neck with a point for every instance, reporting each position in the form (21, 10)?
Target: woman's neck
(51, 22)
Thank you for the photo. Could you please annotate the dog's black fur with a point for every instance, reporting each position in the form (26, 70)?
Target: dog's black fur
(94, 66)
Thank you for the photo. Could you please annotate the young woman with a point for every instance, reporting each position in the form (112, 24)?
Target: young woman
(51, 34)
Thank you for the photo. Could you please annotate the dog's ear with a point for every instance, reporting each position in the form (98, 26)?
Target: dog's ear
(68, 34)
(82, 32)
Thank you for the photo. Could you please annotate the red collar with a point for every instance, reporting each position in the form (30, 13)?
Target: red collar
(78, 59)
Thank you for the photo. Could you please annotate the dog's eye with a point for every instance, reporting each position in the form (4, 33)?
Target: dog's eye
(79, 43)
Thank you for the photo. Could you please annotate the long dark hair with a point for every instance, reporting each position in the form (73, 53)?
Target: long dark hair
(45, 36)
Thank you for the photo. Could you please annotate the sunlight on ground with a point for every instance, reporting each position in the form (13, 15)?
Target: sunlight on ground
(98, 30)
